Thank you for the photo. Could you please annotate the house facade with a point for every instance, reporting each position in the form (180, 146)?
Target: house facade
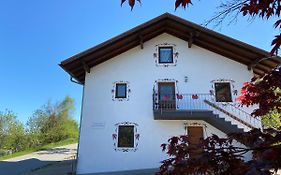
(164, 78)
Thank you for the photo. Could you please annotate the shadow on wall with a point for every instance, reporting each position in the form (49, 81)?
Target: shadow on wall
(21, 167)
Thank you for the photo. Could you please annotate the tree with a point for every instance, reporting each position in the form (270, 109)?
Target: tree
(50, 123)
(272, 120)
(12, 132)
(264, 9)
(6, 119)
(221, 157)
(264, 92)
(53, 122)
(16, 139)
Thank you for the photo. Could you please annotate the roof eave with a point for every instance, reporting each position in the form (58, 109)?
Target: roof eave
(164, 24)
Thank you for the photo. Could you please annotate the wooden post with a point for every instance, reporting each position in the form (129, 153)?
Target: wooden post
(86, 67)
(141, 41)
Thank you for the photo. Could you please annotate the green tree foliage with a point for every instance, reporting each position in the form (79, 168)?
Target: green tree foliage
(12, 132)
(53, 122)
(272, 120)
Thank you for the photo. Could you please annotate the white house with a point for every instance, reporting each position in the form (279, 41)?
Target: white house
(163, 78)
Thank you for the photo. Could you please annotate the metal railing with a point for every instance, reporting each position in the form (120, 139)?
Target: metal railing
(204, 101)
(237, 110)
(181, 102)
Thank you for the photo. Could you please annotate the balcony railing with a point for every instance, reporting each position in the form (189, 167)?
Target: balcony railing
(205, 102)
(182, 102)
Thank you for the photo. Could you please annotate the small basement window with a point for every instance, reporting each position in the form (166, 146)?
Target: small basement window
(126, 137)
(223, 92)
(121, 90)
(166, 55)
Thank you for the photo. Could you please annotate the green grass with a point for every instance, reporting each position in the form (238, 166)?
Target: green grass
(57, 144)
(21, 153)
(45, 147)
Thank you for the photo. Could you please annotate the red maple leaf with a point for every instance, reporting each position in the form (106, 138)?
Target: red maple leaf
(183, 3)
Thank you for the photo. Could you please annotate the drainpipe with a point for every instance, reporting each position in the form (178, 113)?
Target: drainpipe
(82, 104)
(73, 80)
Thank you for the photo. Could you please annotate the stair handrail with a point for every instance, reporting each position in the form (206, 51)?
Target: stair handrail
(243, 111)
(229, 114)
(252, 119)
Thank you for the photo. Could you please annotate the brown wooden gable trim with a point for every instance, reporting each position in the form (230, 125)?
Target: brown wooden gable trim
(178, 27)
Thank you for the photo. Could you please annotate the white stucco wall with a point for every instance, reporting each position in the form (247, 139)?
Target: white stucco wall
(137, 66)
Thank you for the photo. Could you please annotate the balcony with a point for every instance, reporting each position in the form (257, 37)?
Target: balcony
(202, 107)
(181, 106)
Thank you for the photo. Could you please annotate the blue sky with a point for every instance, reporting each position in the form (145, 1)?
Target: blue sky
(35, 36)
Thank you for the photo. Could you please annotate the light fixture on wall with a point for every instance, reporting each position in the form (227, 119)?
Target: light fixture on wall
(185, 79)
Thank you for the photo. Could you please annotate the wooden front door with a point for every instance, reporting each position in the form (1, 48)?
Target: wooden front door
(166, 95)
(195, 136)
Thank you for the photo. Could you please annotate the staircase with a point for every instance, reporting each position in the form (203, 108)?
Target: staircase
(212, 104)
(226, 117)
(205, 115)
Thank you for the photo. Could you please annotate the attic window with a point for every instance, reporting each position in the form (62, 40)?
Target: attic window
(121, 90)
(166, 55)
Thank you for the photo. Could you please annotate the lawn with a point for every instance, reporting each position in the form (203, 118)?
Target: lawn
(45, 147)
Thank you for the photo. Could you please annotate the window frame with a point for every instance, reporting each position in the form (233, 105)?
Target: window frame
(133, 136)
(116, 91)
(169, 103)
(159, 55)
(229, 92)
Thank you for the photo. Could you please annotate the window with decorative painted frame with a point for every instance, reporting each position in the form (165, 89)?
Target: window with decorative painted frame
(165, 54)
(223, 90)
(121, 91)
(126, 137)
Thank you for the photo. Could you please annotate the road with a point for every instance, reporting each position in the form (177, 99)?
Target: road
(24, 165)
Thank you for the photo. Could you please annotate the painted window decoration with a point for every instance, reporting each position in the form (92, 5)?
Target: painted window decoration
(165, 55)
(126, 137)
(223, 90)
(121, 91)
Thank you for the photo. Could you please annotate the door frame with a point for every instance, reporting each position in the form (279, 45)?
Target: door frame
(199, 149)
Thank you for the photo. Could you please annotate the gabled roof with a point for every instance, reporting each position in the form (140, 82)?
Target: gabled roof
(255, 58)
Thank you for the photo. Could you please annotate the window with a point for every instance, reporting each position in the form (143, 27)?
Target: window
(126, 136)
(166, 92)
(223, 92)
(166, 55)
(121, 90)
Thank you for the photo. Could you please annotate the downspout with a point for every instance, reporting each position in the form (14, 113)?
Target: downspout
(73, 80)
(82, 104)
